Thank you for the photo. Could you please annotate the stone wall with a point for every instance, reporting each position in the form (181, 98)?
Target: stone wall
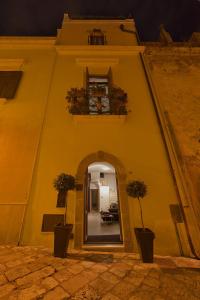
(175, 71)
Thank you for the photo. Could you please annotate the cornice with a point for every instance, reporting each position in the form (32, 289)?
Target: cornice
(7, 64)
(27, 42)
(86, 62)
(67, 19)
(50, 43)
(99, 50)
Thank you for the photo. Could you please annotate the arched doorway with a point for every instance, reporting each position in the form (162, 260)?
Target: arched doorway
(80, 213)
(102, 221)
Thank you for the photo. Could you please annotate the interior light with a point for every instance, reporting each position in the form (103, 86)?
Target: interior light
(101, 167)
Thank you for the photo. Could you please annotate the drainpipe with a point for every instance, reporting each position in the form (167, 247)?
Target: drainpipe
(122, 28)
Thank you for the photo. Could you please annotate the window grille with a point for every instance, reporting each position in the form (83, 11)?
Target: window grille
(98, 97)
(96, 37)
(98, 93)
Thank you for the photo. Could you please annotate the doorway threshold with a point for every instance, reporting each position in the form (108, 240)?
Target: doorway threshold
(104, 248)
(104, 239)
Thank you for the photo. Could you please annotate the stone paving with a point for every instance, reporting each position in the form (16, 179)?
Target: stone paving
(33, 273)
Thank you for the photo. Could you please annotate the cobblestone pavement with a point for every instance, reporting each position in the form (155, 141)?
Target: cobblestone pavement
(33, 273)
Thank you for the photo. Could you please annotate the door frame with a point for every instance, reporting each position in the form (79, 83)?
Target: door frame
(122, 198)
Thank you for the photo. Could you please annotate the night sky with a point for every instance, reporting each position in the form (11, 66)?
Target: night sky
(43, 17)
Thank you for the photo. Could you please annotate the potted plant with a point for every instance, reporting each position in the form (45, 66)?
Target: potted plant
(77, 101)
(62, 232)
(118, 101)
(138, 189)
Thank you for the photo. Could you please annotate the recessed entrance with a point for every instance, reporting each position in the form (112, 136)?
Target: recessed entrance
(80, 229)
(102, 207)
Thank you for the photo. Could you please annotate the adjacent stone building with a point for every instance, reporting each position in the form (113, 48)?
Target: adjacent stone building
(173, 71)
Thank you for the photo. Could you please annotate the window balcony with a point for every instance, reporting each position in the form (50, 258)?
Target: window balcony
(95, 119)
(97, 100)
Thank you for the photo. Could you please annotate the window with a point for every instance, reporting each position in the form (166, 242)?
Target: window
(98, 93)
(96, 37)
(98, 97)
(9, 82)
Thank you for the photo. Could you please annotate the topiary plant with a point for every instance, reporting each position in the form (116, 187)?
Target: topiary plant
(137, 189)
(63, 183)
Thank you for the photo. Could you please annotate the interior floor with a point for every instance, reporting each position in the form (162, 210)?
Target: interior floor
(96, 226)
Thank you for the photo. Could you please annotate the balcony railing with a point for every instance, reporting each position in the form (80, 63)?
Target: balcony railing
(97, 101)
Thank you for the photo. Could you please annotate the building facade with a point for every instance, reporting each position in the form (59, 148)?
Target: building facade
(85, 103)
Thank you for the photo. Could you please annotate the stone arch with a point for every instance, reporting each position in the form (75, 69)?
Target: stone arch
(101, 156)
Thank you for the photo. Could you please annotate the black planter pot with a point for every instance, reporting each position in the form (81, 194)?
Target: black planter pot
(62, 235)
(145, 239)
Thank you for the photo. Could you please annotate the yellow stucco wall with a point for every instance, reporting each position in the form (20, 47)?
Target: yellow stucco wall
(65, 141)
(20, 125)
(137, 143)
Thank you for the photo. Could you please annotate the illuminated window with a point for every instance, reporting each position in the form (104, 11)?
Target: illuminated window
(98, 93)
(9, 82)
(99, 96)
(96, 37)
